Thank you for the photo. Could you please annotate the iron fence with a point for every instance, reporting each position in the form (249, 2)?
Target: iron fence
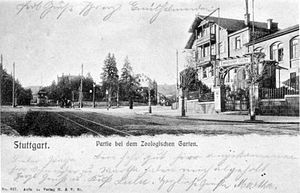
(202, 97)
(206, 97)
(277, 93)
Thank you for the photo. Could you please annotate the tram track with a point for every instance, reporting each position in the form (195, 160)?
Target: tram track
(92, 126)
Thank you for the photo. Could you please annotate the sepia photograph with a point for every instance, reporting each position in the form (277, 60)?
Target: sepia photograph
(149, 96)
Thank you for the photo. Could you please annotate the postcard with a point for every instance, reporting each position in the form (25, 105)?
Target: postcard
(149, 96)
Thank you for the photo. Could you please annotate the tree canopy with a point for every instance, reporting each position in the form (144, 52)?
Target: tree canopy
(23, 95)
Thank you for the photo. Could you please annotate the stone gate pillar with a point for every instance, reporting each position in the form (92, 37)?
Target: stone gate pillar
(219, 95)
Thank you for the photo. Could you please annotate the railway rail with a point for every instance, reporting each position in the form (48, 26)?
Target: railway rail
(92, 126)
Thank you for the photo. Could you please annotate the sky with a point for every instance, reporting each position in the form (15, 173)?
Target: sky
(46, 39)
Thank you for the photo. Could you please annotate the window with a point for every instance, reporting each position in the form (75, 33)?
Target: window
(204, 75)
(276, 52)
(212, 71)
(205, 31)
(244, 74)
(199, 50)
(213, 29)
(221, 47)
(293, 80)
(206, 51)
(213, 51)
(280, 52)
(238, 44)
(196, 55)
(294, 48)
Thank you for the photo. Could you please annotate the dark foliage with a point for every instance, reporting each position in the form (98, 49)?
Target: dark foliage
(23, 95)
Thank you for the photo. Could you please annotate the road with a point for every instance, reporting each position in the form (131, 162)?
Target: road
(43, 121)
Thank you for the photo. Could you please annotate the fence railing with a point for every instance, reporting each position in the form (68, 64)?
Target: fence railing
(206, 97)
(277, 93)
(202, 97)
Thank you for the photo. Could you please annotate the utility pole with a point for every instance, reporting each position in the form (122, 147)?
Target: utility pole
(1, 60)
(176, 94)
(13, 87)
(251, 90)
(81, 84)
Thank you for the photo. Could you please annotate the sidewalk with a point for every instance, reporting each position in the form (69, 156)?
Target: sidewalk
(221, 117)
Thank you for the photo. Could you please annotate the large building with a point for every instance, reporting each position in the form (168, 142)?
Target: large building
(214, 39)
(282, 47)
(221, 49)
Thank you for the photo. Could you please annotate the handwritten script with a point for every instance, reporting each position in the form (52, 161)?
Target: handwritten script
(86, 8)
(216, 164)
(162, 171)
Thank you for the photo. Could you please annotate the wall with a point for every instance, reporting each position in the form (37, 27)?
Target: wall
(193, 106)
(289, 106)
(222, 38)
(244, 35)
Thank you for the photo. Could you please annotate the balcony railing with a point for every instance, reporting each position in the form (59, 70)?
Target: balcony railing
(206, 39)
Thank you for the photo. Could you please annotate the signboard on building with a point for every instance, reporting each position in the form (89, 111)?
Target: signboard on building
(235, 62)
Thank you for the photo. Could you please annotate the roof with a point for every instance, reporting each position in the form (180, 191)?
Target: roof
(276, 34)
(231, 25)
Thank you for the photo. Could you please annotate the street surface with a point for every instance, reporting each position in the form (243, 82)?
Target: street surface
(49, 121)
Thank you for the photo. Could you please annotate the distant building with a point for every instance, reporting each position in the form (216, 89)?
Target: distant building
(68, 77)
(34, 90)
(145, 84)
(143, 80)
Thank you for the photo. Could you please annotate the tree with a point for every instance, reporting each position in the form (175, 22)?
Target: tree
(110, 76)
(128, 83)
(188, 79)
(23, 95)
(68, 88)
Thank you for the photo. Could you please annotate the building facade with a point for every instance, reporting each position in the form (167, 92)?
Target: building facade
(224, 50)
(282, 47)
(214, 39)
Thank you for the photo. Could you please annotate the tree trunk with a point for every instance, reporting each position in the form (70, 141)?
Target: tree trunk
(109, 97)
(130, 103)
(183, 103)
(118, 97)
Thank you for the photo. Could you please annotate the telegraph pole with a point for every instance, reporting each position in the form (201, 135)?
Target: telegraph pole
(252, 107)
(1, 77)
(13, 87)
(176, 94)
(80, 93)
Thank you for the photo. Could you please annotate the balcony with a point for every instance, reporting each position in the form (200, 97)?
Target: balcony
(206, 39)
(203, 61)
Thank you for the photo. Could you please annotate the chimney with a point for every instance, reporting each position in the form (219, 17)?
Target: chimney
(247, 15)
(269, 24)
